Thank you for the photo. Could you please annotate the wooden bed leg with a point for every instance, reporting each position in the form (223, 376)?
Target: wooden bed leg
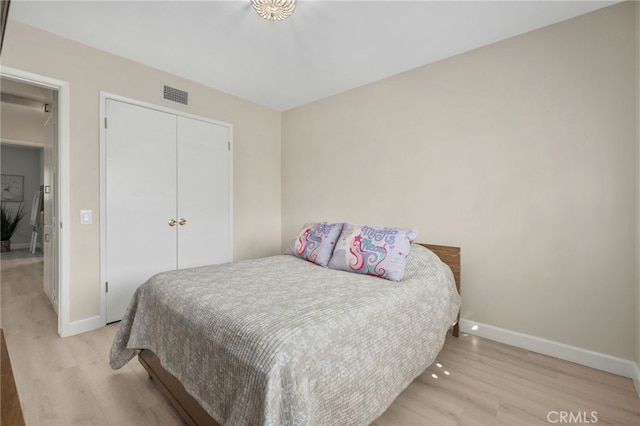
(455, 331)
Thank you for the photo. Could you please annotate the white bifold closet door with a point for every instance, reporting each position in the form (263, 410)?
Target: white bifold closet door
(167, 197)
(203, 194)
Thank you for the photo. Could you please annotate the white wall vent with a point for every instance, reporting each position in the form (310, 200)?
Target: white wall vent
(175, 95)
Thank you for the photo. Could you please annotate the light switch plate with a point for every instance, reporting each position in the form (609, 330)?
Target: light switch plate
(86, 217)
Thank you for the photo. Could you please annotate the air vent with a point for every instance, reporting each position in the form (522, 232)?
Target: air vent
(175, 95)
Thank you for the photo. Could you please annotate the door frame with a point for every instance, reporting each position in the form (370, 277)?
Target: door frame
(104, 96)
(61, 243)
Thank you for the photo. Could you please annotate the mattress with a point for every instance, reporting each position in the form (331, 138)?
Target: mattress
(282, 341)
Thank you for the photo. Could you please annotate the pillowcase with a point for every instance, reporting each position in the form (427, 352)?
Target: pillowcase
(377, 251)
(316, 242)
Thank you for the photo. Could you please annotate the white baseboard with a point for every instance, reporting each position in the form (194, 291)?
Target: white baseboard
(619, 366)
(82, 326)
(636, 380)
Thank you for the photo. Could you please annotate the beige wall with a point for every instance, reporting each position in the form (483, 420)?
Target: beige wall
(523, 153)
(256, 153)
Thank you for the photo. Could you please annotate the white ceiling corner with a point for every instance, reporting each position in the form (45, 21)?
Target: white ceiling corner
(326, 47)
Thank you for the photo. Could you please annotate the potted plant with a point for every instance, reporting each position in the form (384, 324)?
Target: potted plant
(9, 221)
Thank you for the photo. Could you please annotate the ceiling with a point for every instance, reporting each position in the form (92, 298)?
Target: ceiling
(326, 47)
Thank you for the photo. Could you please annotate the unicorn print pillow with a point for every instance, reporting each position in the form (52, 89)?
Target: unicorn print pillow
(376, 251)
(316, 242)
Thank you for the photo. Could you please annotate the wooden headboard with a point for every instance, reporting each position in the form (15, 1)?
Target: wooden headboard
(450, 256)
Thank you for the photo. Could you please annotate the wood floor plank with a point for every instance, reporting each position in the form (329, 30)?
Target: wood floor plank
(474, 381)
(124, 399)
(65, 398)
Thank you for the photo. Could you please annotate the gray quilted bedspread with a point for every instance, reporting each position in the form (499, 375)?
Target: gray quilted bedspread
(281, 341)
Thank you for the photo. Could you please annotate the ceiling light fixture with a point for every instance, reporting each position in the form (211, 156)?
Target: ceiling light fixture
(274, 10)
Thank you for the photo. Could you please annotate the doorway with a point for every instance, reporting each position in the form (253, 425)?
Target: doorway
(35, 119)
(28, 146)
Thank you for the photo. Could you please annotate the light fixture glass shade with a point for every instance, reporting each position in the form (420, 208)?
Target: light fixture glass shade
(274, 10)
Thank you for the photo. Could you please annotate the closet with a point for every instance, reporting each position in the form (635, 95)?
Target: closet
(166, 195)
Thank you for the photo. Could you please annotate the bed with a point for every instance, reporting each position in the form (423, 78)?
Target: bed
(299, 344)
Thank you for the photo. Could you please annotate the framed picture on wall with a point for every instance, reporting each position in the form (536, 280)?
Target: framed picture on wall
(12, 187)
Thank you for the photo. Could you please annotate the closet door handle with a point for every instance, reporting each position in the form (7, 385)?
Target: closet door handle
(182, 221)
(172, 222)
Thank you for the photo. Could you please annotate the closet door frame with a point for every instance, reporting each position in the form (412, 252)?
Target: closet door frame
(104, 96)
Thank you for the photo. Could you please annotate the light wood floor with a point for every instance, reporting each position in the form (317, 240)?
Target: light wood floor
(473, 382)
